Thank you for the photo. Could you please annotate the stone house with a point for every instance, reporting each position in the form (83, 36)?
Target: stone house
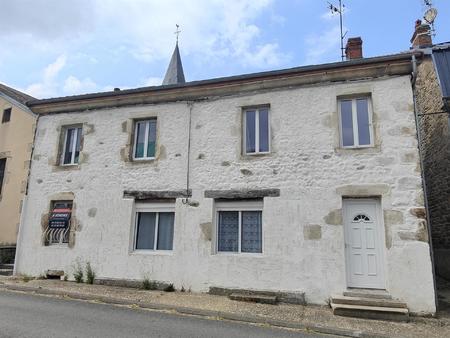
(432, 93)
(16, 139)
(303, 181)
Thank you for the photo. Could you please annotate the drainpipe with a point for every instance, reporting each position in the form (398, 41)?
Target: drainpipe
(424, 184)
(186, 200)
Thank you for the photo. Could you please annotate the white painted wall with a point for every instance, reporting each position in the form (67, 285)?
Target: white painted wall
(304, 165)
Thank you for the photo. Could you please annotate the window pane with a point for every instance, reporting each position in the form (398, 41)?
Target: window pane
(145, 236)
(228, 231)
(362, 111)
(140, 140)
(165, 230)
(2, 172)
(347, 123)
(264, 129)
(250, 131)
(151, 138)
(251, 231)
(77, 147)
(69, 146)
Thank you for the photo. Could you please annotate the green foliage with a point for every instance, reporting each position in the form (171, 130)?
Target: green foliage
(27, 278)
(169, 288)
(78, 273)
(90, 274)
(148, 284)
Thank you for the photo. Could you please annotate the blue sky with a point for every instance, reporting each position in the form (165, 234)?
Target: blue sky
(58, 48)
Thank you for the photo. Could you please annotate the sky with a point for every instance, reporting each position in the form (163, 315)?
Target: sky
(54, 48)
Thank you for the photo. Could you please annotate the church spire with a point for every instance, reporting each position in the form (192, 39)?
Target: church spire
(174, 73)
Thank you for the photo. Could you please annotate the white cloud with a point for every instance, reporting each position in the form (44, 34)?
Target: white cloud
(213, 33)
(73, 85)
(325, 46)
(152, 81)
(321, 46)
(48, 85)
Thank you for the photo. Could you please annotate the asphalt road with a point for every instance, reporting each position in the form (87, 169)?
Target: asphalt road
(25, 315)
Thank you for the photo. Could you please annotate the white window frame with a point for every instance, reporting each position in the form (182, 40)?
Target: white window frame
(256, 110)
(155, 208)
(147, 131)
(75, 141)
(355, 122)
(238, 206)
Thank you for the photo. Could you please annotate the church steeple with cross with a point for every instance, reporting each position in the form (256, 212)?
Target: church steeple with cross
(174, 73)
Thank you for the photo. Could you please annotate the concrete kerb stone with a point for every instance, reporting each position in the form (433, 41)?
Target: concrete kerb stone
(193, 311)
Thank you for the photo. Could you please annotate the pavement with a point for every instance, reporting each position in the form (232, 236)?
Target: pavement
(311, 319)
(24, 315)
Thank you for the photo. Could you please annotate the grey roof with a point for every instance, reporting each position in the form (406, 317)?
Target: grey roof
(441, 58)
(174, 73)
(235, 78)
(16, 95)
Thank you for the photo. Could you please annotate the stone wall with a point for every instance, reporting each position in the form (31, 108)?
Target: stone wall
(303, 235)
(435, 148)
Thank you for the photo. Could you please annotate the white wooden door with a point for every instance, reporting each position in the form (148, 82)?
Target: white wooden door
(364, 243)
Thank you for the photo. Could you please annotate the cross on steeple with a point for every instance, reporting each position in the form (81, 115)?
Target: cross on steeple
(177, 32)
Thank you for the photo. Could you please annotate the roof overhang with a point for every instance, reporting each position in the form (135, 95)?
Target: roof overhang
(361, 69)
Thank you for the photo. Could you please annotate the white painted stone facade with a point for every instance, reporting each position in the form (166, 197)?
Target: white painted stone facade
(306, 164)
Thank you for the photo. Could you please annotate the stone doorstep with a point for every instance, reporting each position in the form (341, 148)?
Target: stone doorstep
(367, 301)
(371, 312)
(367, 293)
(297, 298)
(245, 297)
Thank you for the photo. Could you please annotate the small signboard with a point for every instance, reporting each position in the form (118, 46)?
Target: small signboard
(60, 218)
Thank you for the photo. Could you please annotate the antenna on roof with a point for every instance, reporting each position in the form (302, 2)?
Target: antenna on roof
(430, 15)
(340, 10)
(177, 31)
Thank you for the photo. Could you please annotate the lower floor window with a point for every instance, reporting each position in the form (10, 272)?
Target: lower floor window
(154, 230)
(239, 230)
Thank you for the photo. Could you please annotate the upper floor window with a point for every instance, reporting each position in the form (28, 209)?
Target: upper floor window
(2, 172)
(72, 142)
(154, 226)
(239, 226)
(356, 122)
(145, 139)
(256, 131)
(6, 115)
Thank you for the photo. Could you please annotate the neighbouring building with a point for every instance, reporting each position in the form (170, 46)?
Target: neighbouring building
(432, 90)
(16, 140)
(305, 181)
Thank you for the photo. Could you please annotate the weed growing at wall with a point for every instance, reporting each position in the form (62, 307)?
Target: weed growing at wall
(90, 274)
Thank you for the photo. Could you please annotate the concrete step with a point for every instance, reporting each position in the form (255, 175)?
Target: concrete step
(367, 293)
(7, 266)
(371, 312)
(245, 297)
(364, 301)
(6, 272)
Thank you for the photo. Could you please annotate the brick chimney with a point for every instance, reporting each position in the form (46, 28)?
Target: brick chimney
(353, 50)
(422, 35)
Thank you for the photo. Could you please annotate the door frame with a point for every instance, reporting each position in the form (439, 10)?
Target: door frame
(381, 239)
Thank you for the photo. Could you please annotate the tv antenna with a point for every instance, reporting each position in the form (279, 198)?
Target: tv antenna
(430, 15)
(340, 10)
